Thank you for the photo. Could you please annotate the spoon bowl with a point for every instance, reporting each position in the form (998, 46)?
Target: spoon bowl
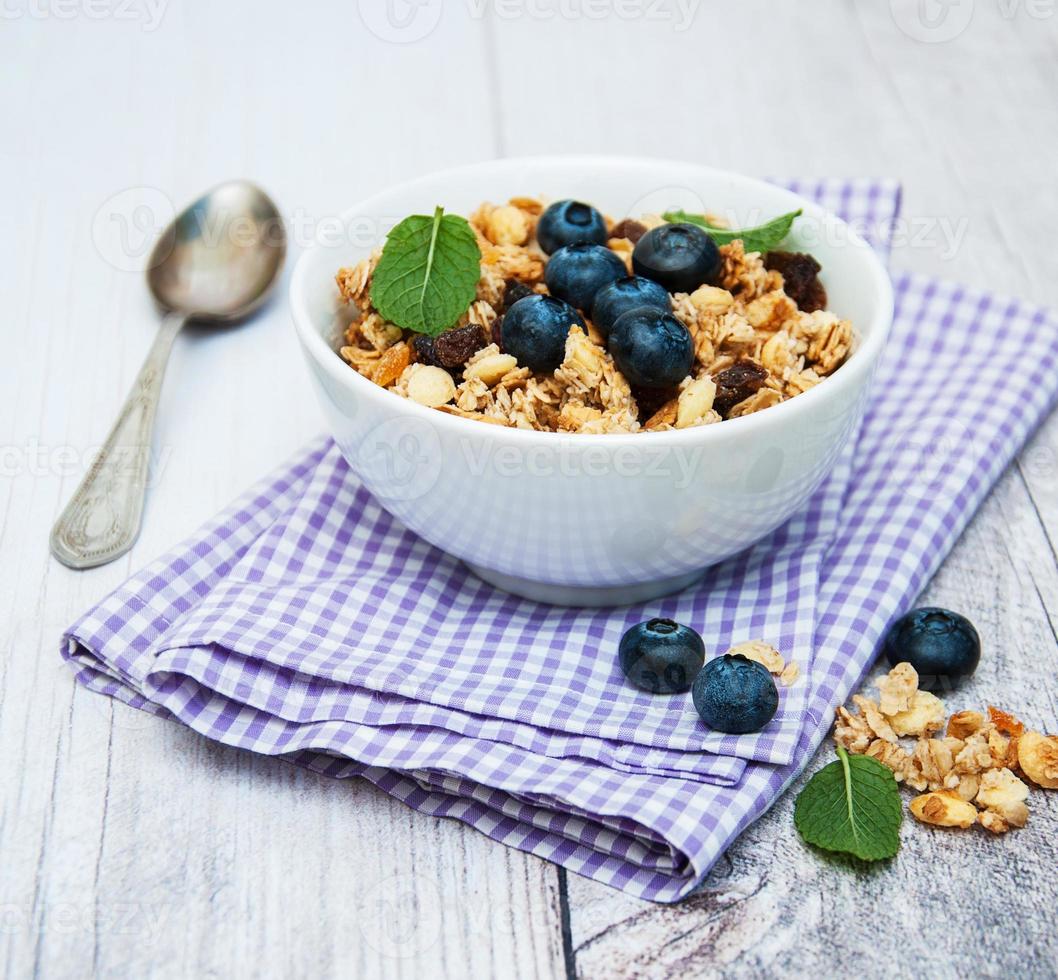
(219, 258)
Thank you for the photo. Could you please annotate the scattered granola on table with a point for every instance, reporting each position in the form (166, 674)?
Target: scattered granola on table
(719, 331)
(969, 768)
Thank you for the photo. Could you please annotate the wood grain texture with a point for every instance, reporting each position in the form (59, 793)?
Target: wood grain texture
(132, 847)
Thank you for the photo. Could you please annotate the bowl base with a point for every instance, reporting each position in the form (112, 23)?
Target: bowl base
(586, 595)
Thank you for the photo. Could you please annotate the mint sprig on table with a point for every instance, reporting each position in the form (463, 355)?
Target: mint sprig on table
(851, 806)
(763, 238)
(428, 274)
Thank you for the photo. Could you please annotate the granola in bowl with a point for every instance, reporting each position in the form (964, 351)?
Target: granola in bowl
(552, 335)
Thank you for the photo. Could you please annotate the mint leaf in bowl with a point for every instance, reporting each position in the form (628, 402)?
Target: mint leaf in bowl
(852, 806)
(763, 238)
(427, 276)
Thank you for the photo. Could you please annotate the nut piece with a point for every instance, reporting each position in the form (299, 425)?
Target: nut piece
(507, 225)
(789, 674)
(963, 724)
(491, 368)
(1004, 795)
(431, 386)
(894, 758)
(763, 653)
(1038, 758)
(943, 809)
(896, 689)
(695, 403)
(874, 717)
(924, 715)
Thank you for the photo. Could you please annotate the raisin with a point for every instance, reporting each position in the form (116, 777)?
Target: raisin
(514, 290)
(628, 228)
(649, 400)
(736, 384)
(497, 332)
(800, 275)
(455, 347)
(424, 350)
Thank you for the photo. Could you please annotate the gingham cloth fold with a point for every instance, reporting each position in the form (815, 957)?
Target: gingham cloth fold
(306, 622)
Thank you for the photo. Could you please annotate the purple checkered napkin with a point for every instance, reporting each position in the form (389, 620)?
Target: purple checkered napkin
(306, 622)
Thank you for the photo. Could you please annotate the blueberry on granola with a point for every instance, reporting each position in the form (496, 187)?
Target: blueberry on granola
(941, 645)
(661, 656)
(576, 273)
(623, 295)
(681, 257)
(534, 331)
(734, 694)
(651, 348)
(570, 223)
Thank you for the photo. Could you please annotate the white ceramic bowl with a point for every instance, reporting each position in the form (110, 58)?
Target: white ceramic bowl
(591, 519)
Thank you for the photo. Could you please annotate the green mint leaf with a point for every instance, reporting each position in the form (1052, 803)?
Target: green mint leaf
(852, 805)
(428, 274)
(763, 238)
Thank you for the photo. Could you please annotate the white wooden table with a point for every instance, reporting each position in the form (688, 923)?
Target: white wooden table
(130, 846)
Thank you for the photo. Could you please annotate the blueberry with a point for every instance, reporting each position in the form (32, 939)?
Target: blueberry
(534, 330)
(651, 348)
(576, 273)
(734, 694)
(941, 645)
(681, 257)
(570, 223)
(623, 295)
(661, 656)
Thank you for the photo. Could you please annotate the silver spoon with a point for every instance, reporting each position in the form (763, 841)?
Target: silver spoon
(215, 264)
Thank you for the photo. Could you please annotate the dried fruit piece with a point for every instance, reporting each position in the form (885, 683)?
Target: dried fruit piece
(650, 401)
(943, 809)
(1004, 721)
(454, 348)
(423, 346)
(800, 276)
(514, 290)
(628, 228)
(1038, 758)
(391, 365)
(736, 384)
(664, 416)
(431, 386)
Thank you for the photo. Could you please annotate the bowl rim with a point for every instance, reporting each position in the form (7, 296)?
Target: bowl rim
(858, 367)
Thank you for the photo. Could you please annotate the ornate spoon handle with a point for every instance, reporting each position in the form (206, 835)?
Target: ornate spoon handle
(102, 519)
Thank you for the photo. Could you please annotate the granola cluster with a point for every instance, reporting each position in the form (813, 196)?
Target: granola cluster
(970, 774)
(761, 336)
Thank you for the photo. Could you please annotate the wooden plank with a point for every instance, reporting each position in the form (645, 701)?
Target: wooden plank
(132, 847)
